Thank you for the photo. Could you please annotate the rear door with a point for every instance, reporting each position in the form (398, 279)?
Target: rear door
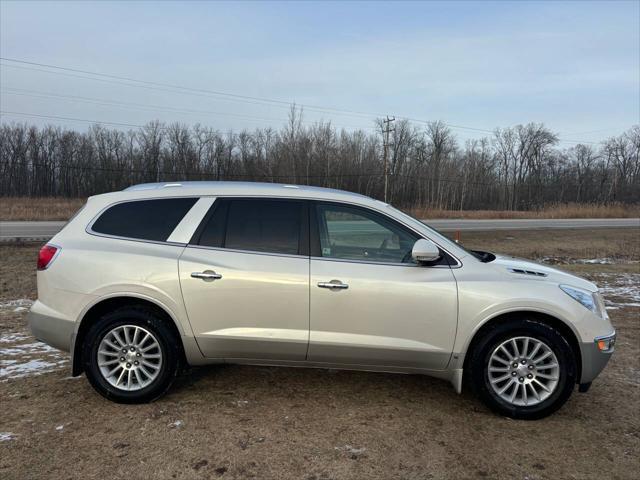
(245, 279)
(370, 303)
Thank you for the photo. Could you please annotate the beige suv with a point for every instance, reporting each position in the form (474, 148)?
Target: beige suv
(159, 276)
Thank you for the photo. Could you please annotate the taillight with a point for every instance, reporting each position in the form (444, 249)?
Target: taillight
(46, 255)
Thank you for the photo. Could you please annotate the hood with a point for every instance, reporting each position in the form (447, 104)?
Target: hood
(523, 268)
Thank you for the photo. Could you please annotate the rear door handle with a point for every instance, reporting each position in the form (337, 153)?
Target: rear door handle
(207, 275)
(333, 285)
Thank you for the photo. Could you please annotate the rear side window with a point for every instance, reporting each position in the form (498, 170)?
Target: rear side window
(144, 219)
(257, 225)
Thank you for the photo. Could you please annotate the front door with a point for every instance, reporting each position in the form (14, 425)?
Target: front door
(370, 303)
(245, 280)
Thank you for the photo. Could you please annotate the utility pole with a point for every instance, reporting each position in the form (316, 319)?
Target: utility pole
(385, 143)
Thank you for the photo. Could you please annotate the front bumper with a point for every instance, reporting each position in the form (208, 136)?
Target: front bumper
(50, 328)
(593, 359)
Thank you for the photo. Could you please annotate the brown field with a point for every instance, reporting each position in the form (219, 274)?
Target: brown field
(569, 210)
(236, 422)
(560, 246)
(57, 208)
(45, 208)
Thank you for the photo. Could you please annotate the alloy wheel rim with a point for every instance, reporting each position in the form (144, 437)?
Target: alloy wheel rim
(523, 371)
(129, 357)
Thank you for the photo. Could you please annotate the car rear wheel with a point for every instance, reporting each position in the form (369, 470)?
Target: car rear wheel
(131, 356)
(523, 368)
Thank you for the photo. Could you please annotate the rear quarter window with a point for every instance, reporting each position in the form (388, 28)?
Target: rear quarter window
(143, 219)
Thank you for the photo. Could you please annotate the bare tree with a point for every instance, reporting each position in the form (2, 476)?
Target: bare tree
(519, 168)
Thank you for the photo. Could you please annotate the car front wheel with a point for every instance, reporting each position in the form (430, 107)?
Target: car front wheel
(523, 368)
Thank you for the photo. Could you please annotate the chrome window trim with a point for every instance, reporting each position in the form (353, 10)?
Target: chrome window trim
(368, 262)
(139, 240)
(90, 230)
(458, 263)
(391, 264)
(249, 252)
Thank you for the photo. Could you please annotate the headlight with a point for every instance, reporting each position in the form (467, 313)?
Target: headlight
(591, 301)
(600, 305)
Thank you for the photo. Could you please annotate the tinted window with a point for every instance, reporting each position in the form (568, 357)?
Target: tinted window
(258, 225)
(144, 219)
(351, 233)
(214, 230)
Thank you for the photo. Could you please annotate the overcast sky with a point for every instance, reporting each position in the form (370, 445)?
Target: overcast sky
(574, 66)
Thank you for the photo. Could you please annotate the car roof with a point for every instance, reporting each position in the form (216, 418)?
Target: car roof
(230, 188)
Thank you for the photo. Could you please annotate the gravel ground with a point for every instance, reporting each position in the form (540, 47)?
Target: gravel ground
(255, 422)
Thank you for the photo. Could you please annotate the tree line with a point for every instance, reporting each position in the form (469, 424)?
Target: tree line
(517, 168)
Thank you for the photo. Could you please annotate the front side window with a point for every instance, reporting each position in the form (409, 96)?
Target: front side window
(350, 233)
(256, 225)
(143, 219)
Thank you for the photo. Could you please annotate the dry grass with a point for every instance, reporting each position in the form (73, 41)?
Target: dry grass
(57, 208)
(565, 210)
(43, 208)
(562, 246)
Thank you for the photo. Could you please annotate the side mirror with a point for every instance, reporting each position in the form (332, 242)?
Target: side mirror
(425, 251)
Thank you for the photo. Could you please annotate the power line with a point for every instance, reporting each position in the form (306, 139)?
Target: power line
(179, 172)
(158, 108)
(595, 131)
(81, 120)
(115, 79)
(180, 89)
(185, 173)
(71, 119)
(237, 97)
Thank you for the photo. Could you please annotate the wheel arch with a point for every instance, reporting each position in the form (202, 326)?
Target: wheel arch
(563, 327)
(104, 305)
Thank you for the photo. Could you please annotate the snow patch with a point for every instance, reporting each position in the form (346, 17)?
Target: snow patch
(28, 348)
(552, 260)
(13, 337)
(619, 290)
(351, 450)
(7, 436)
(23, 303)
(21, 355)
(595, 261)
(32, 367)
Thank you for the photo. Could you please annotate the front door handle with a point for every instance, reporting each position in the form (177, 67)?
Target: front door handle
(333, 285)
(207, 275)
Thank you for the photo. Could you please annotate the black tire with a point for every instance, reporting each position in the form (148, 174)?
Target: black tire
(169, 347)
(478, 374)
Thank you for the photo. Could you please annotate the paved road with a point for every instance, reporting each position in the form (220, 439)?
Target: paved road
(532, 224)
(46, 230)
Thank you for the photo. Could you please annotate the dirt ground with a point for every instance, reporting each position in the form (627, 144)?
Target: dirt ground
(236, 422)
